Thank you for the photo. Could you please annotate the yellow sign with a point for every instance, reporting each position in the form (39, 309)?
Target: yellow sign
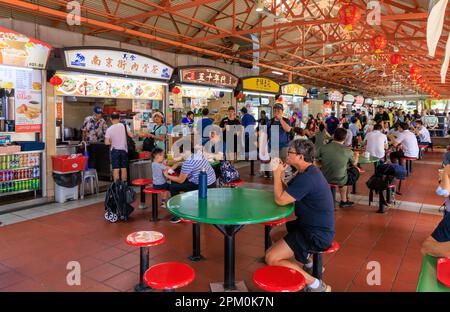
(294, 89)
(261, 84)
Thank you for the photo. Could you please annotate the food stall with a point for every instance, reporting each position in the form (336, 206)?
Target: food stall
(117, 80)
(259, 94)
(22, 64)
(335, 97)
(292, 96)
(196, 87)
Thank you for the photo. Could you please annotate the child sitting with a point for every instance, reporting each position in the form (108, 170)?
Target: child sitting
(159, 180)
(300, 134)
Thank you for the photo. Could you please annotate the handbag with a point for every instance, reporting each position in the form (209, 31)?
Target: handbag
(149, 144)
(132, 154)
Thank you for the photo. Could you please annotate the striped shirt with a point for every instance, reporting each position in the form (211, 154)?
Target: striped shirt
(194, 165)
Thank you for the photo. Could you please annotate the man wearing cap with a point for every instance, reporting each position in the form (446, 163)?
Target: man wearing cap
(284, 129)
(94, 127)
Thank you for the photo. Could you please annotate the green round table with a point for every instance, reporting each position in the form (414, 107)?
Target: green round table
(229, 210)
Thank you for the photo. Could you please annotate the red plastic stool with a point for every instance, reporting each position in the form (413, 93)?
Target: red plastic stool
(234, 184)
(143, 240)
(422, 149)
(318, 261)
(196, 255)
(279, 279)
(154, 193)
(169, 276)
(142, 183)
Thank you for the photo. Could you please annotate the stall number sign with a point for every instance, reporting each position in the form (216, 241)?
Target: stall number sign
(261, 85)
(335, 96)
(117, 62)
(208, 76)
(294, 89)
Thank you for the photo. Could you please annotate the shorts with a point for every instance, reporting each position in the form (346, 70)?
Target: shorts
(303, 242)
(119, 159)
(164, 186)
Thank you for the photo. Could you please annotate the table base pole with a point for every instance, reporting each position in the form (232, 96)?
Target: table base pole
(219, 287)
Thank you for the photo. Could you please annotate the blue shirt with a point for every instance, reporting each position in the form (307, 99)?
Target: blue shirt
(194, 165)
(157, 173)
(314, 206)
(202, 124)
(442, 232)
(186, 120)
(332, 123)
(283, 136)
(248, 120)
(354, 129)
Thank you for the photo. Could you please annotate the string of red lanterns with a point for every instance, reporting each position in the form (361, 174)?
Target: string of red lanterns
(416, 76)
(349, 15)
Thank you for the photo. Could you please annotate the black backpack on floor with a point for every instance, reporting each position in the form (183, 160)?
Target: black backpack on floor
(119, 198)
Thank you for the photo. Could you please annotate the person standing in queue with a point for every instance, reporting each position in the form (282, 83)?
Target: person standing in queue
(332, 123)
(225, 124)
(94, 127)
(313, 230)
(189, 119)
(116, 137)
(202, 124)
(284, 130)
(248, 122)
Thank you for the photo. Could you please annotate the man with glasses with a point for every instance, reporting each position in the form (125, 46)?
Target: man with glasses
(313, 230)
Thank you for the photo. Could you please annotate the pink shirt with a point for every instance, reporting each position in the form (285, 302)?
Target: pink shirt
(117, 135)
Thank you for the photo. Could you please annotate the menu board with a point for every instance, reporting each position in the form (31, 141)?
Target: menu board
(22, 51)
(106, 87)
(27, 85)
(140, 106)
(208, 76)
(118, 62)
(261, 84)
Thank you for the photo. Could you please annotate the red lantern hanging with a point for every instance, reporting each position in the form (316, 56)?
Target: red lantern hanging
(240, 96)
(280, 99)
(396, 59)
(379, 42)
(349, 15)
(176, 90)
(56, 81)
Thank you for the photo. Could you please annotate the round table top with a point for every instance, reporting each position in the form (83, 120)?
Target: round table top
(228, 206)
(371, 160)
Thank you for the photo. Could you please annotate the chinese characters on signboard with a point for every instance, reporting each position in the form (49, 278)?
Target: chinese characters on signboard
(261, 84)
(208, 76)
(294, 89)
(118, 62)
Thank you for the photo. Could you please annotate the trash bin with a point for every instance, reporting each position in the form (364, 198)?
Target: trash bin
(66, 185)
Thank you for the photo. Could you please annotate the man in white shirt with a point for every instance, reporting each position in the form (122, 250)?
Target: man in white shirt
(422, 133)
(376, 142)
(408, 141)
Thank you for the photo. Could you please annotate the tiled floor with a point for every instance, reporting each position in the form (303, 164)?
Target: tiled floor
(34, 253)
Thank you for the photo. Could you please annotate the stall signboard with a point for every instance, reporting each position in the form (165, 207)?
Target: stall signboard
(294, 89)
(116, 62)
(107, 87)
(208, 76)
(359, 100)
(260, 84)
(335, 96)
(22, 51)
(348, 98)
(368, 101)
(27, 85)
